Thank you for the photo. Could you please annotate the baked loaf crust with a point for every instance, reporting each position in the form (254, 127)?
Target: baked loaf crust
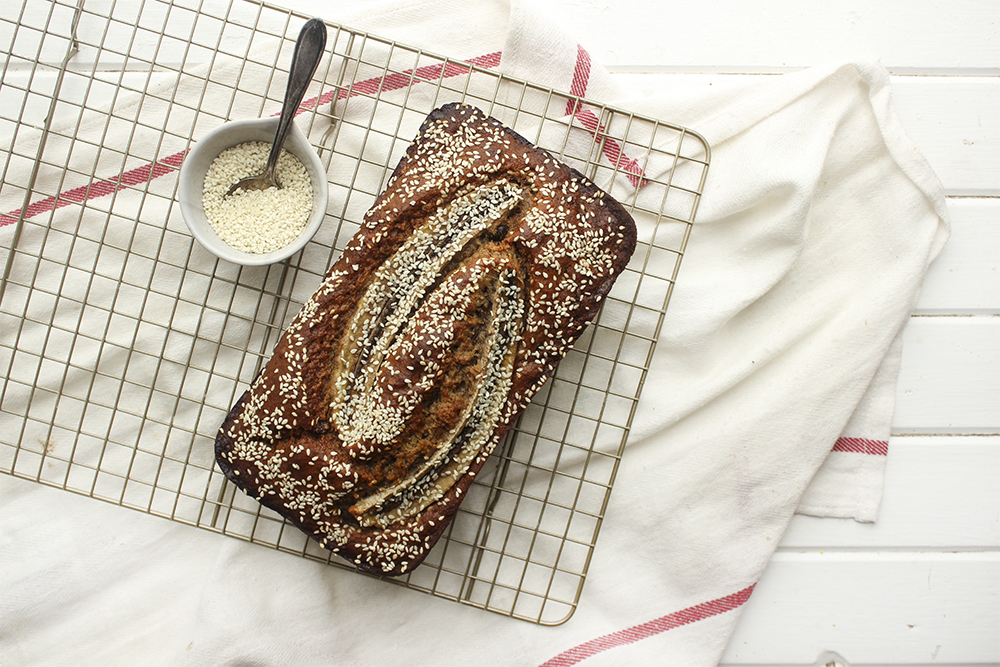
(474, 272)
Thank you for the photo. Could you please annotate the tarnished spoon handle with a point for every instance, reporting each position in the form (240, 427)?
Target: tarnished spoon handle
(308, 51)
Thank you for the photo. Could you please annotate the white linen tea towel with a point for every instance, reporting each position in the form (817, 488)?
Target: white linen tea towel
(771, 390)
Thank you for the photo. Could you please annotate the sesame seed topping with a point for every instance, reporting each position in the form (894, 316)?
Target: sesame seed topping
(398, 378)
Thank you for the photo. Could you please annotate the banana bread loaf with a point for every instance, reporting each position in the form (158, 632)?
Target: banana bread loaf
(474, 272)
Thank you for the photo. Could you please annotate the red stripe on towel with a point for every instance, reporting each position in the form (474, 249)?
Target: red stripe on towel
(142, 174)
(862, 446)
(669, 622)
(398, 80)
(147, 172)
(611, 148)
(395, 81)
(581, 74)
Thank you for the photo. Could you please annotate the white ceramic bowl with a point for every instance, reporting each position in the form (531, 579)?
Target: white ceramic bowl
(200, 158)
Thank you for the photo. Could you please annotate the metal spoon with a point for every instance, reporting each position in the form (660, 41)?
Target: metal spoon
(309, 49)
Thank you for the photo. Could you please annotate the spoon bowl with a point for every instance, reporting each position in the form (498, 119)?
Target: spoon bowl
(308, 51)
(191, 187)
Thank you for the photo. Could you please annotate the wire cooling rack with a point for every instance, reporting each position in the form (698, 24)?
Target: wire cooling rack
(123, 343)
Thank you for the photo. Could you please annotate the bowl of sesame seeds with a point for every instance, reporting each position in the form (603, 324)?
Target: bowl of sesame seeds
(252, 228)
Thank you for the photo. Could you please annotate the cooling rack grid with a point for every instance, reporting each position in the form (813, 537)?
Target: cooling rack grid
(123, 343)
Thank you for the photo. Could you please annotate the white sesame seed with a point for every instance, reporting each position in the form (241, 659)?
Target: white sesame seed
(256, 221)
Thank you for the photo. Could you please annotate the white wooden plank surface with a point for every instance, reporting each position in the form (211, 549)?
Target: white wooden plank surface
(922, 585)
(691, 35)
(890, 608)
(942, 493)
(953, 121)
(949, 380)
(965, 278)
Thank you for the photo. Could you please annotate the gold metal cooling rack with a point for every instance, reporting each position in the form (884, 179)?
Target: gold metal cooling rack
(123, 343)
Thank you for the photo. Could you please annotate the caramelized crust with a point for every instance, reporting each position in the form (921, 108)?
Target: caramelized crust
(474, 272)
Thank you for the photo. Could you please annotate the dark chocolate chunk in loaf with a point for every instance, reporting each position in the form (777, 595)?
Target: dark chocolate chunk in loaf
(474, 272)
